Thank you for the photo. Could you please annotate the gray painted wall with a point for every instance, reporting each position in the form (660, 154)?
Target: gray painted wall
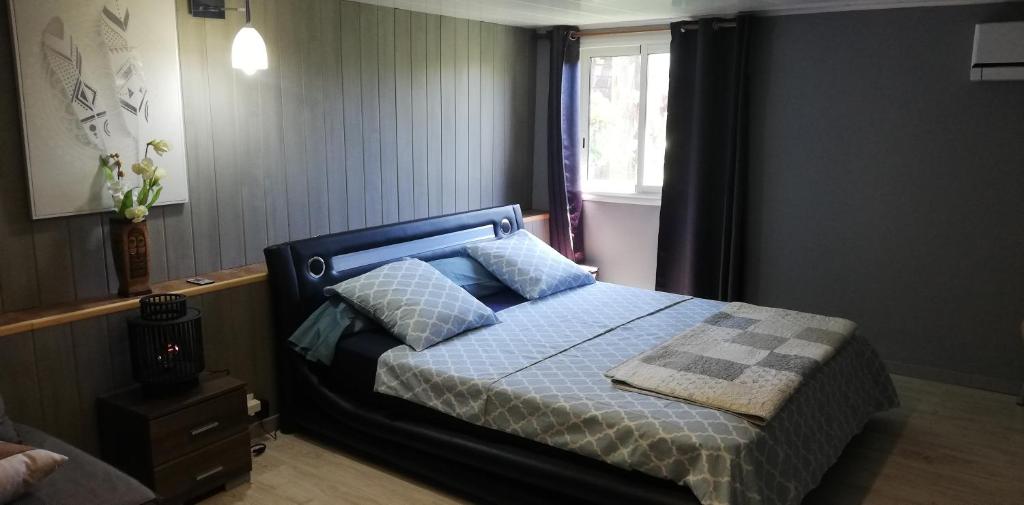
(367, 115)
(887, 188)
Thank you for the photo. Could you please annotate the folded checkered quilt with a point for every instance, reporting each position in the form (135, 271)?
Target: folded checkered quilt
(745, 359)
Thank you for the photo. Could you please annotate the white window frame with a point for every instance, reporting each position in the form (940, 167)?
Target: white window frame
(618, 45)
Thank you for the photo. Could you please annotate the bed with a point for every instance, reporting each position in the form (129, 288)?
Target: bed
(520, 411)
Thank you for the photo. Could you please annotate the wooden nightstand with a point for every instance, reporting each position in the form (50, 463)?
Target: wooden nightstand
(181, 446)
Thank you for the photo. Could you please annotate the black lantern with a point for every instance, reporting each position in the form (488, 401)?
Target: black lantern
(166, 344)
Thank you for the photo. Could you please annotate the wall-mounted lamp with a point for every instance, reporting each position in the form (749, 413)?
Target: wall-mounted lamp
(248, 51)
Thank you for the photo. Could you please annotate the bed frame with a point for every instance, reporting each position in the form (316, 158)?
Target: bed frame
(484, 465)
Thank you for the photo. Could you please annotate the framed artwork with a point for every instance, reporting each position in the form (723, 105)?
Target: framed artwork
(96, 77)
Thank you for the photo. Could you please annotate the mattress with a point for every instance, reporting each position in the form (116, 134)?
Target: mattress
(539, 375)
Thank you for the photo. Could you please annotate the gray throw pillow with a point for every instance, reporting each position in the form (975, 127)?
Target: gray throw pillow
(528, 265)
(415, 302)
(7, 432)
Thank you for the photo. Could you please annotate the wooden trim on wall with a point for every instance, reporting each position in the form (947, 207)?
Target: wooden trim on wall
(530, 216)
(45, 317)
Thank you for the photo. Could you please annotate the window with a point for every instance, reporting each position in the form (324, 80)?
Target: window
(623, 110)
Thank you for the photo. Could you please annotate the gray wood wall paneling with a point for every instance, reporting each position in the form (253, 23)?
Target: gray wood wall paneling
(53, 261)
(435, 176)
(405, 170)
(118, 347)
(487, 122)
(180, 258)
(388, 114)
(313, 63)
(526, 72)
(248, 117)
(421, 127)
(371, 114)
(202, 181)
(157, 245)
(352, 84)
(448, 119)
(473, 61)
(290, 17)
(334, 116)
(271, 151)
(56, 374)
(88, 256)
(501, 115)
(18, 383)
(225, 140)
(461, 75)
(93, 373)
(18, 287)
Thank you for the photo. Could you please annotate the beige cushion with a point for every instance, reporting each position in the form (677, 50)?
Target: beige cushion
(22, 467)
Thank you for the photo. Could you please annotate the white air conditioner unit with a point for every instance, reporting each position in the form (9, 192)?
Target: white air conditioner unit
(998, 52)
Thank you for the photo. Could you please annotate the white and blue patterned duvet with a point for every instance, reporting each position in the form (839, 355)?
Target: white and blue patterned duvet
(539, 375)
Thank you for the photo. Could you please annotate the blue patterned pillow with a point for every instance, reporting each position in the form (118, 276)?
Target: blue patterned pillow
(415, 302)
(528, 265)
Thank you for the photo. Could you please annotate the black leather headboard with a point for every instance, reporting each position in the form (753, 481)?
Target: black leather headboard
(293, 267)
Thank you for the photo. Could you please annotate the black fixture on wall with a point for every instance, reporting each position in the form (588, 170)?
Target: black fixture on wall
(248, 50)
(213, 9)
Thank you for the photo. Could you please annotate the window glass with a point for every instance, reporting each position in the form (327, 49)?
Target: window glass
(657, 116)
(615, 87)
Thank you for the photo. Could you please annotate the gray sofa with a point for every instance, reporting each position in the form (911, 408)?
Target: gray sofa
(81, 480)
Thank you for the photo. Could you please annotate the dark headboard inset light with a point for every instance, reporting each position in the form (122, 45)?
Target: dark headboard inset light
(506, 226)
(391, 252)
(316, 266)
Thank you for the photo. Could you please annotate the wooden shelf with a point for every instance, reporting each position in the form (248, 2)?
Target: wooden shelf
(45, 317)
(534, 215)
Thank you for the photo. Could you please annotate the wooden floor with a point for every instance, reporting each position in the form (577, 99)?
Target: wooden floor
(946, 444)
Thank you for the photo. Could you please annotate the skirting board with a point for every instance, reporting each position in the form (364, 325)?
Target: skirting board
(956, 378)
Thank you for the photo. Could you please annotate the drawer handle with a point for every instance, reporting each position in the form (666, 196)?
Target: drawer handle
(209, 473)
(204, 428)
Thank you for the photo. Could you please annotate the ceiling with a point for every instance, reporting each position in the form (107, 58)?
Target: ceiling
(606, 13)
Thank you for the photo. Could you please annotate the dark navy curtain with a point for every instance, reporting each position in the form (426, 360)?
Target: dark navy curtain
(565, 198)
(701, 224)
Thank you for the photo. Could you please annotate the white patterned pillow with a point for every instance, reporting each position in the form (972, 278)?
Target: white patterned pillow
(415, 302)
(528, 265)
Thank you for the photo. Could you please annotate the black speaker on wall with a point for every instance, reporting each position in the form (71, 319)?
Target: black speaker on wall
(166, 344)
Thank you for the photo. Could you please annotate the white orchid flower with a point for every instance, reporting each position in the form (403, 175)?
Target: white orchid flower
(144, 168)
(160, 146)
(159, 174)
(137, 214)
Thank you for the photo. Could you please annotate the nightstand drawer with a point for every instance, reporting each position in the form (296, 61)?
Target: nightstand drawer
(196, 427)
(205, 469)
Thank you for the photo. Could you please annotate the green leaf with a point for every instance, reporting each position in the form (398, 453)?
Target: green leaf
(156, 195)
(144, 192)
(105, 167)
(126, 203)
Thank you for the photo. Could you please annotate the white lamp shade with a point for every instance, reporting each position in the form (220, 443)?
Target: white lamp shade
(248, 51)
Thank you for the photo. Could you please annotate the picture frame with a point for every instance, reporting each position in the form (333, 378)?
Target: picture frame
(96, 77)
